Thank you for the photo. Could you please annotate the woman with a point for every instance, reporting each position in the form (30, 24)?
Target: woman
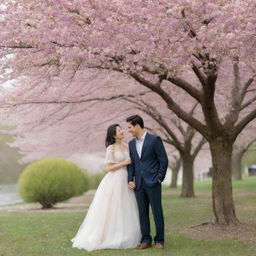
(112, 221)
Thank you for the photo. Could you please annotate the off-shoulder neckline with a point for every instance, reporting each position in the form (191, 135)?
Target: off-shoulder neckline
(112, 148)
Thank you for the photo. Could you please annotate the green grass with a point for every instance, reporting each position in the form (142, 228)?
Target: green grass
(48, 233)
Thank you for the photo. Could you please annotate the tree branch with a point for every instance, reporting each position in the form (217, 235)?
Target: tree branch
(200, 127)
(236, 100)
(168, 141)
(249, 102)
(199, 74)
(198, 147)
(246, 120)
(17, 46)
(186, 86)
(4, 104)
(192, 91)
(178, 124)
(190, 133)
(246, 86)
(209, 108)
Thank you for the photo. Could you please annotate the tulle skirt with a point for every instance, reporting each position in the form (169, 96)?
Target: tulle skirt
(112, 221)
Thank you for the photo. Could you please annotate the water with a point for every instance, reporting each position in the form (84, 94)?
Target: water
(9, 194)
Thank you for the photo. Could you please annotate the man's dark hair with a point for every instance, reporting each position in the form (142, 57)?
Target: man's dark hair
(135, 119)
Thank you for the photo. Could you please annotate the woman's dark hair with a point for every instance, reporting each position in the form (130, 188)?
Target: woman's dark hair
(136, 119)
(111, 132)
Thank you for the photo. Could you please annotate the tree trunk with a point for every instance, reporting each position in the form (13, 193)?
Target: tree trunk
(187, 175)
(47, 206)
(174, 179)
(237, 165)
(175, 170)
(222, 198)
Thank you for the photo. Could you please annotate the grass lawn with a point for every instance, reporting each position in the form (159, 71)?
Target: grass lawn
(48, 233)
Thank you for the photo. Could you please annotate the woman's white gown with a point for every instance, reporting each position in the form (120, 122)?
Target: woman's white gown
(112, 221)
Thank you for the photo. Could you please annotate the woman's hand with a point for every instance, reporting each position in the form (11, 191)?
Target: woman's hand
(127, 161)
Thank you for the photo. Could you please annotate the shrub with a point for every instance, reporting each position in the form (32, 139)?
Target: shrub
(95, 179)
(53, 180)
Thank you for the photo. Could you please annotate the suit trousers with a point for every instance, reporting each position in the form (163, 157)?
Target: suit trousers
(152, 196)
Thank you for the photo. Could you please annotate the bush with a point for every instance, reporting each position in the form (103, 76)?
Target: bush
(95, 179)
(53, 180)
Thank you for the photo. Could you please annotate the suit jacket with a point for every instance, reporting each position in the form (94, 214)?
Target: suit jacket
(153, 163)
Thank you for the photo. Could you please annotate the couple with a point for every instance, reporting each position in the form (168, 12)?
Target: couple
(118, 216)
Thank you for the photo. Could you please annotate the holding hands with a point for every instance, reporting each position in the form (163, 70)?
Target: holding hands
(131, 185)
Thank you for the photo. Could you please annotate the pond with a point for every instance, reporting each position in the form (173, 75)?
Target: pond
(9, 194)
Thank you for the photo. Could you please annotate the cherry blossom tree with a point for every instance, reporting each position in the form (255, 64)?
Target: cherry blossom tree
(205, 48)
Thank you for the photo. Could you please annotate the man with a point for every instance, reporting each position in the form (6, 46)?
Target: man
(145, 174)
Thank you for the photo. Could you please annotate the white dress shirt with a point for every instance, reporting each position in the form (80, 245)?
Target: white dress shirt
(139, 144)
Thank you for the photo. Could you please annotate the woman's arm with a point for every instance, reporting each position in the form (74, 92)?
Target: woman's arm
(113, 167)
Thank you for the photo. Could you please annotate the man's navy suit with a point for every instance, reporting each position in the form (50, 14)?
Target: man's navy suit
(147, 171)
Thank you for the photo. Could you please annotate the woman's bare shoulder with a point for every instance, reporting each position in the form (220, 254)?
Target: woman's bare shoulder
(111, 147)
